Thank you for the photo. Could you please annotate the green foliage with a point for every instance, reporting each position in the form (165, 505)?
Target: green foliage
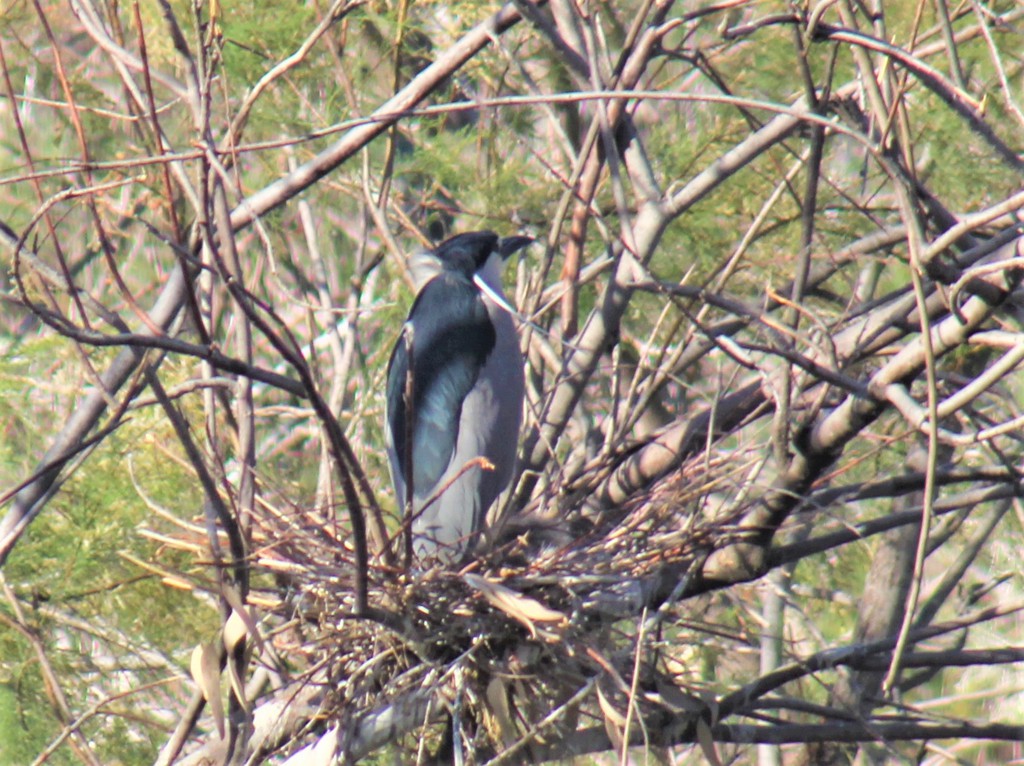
(70, 567)
(25, 726)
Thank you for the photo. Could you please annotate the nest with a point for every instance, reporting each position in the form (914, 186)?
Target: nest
(514, 647)
(505, 640)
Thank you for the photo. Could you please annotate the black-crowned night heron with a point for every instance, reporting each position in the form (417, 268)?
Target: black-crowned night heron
(461, 397)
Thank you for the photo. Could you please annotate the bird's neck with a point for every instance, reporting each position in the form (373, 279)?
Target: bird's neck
(491, 273)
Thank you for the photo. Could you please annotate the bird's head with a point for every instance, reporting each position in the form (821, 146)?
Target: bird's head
(472, 253)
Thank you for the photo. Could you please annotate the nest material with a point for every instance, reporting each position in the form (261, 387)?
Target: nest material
(504, 642)
(507, 640)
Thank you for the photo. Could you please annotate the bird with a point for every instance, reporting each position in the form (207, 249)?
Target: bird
(455, 388)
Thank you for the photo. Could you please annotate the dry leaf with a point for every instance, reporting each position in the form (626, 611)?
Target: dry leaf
(205, 669)
(523, 608)
(235, 602)
(707, 742)
(237, 687)
(614, 721)
(233, 634)
(234, 631)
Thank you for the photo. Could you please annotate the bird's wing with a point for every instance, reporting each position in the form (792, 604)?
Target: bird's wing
(452, 338)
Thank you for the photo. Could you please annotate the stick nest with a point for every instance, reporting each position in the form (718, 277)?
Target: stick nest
(506, 639)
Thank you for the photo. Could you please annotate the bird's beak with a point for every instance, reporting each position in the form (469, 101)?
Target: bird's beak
(509, 245)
